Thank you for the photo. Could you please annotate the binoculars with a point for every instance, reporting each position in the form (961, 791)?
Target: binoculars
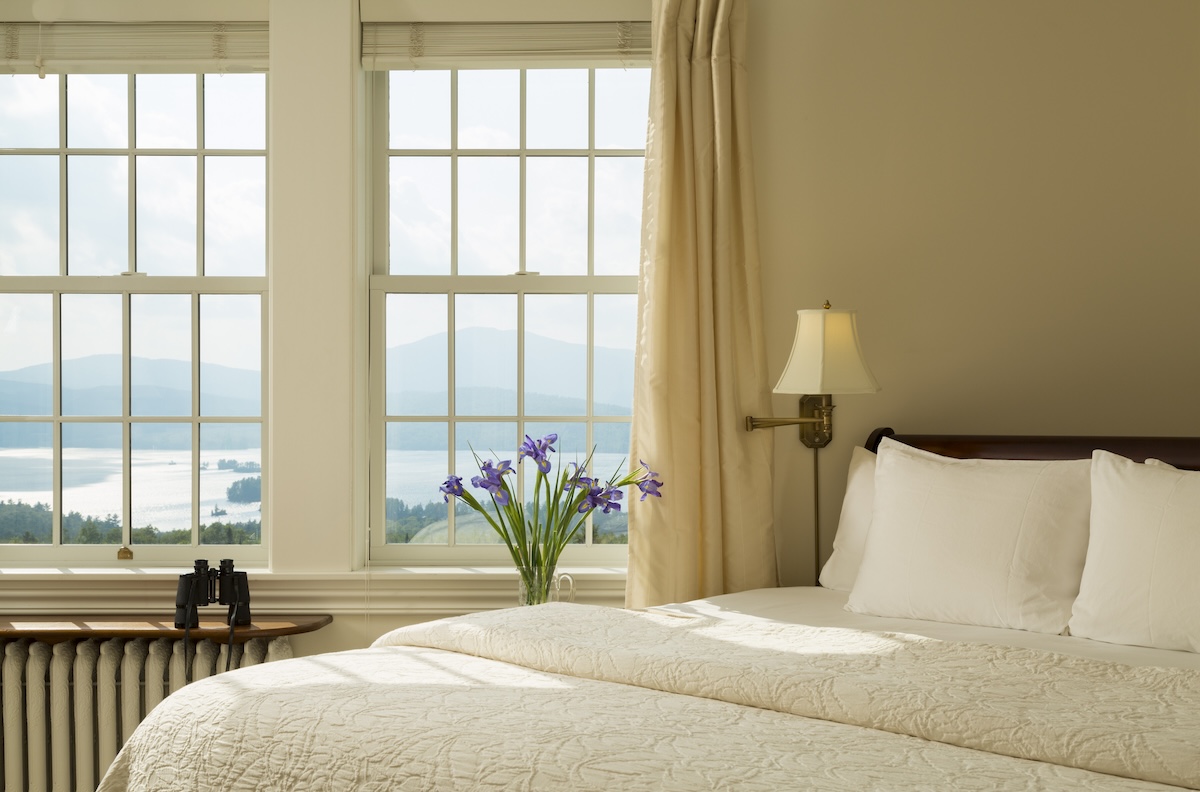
(205, 586)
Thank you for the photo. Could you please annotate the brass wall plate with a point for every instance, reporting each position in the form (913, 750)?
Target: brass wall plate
(818, 433)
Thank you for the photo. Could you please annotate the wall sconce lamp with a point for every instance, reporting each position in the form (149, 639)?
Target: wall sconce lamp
(826, 359)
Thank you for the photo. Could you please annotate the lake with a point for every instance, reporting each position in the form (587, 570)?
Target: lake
(162, 481)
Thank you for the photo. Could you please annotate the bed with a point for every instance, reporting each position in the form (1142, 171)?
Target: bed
(1044, 670)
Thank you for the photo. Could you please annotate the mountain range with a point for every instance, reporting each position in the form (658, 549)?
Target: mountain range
(92, 386)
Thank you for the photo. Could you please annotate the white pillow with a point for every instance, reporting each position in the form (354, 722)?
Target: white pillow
(1141, 584)
(841, 569)
(997, 543)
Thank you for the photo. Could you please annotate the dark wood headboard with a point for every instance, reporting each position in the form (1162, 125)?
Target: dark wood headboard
(1182, 452)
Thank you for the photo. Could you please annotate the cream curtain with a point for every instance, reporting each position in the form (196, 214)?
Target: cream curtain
(700, 351)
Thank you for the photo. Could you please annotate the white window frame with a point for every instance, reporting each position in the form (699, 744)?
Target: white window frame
(128, 284)
(520, 284)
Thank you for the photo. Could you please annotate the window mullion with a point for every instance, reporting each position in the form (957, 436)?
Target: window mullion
(126, 419)
(521, 164)
(62, 175)
(452, 414)
(195, 421)
(56, 416)
(131, 174)
(453, 174)
(591, 175)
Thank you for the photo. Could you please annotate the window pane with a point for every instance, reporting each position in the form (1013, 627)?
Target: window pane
(97, 111)
(165, 105)
(28, 112)
(612, 458)
(417, 456)
(160, 332)
(91, 483)
(419, 109)
(614, 337)
(231, 354)
(489, 109)
(485, 354)
(618, 215)
(419, 216)
(556, 354)
(26, 350)
(97, 215)
(235, 216)
(235, 111)
(556, 102)
(231, 484)
(489, 215)
(29, 215)
(496, 441)
(416, 368)
(161, 483)
(166, 215)
(26, 482)
(556, 215)
(622, 107)
(91, 354)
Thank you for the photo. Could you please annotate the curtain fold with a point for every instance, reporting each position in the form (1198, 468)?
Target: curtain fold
(700, 352)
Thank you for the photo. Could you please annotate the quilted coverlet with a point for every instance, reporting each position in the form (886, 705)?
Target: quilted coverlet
(575, 697)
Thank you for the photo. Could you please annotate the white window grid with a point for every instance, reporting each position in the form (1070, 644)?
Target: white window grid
(520, 283)
(57, 553)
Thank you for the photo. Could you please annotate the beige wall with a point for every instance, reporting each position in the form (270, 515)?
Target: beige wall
(1009, 194)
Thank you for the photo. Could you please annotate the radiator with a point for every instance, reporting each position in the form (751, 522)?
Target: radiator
(68, 707)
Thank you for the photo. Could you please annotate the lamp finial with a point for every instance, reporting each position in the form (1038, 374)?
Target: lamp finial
(827, 306)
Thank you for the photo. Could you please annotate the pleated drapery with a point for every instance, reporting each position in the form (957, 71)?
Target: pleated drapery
(701, 356)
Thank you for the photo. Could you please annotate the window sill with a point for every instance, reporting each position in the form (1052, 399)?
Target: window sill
(426, 592)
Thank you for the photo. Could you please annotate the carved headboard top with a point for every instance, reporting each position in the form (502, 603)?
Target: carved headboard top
(1182, 452)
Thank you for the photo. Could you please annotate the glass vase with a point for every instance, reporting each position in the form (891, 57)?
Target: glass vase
(535, 586)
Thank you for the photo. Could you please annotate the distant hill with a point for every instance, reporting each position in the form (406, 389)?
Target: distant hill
(92, 386)
(483, 361)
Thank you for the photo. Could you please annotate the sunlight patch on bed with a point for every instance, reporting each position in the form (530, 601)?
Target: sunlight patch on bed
(824, 640)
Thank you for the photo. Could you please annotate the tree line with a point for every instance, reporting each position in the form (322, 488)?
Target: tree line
(404, 522)
(25, 523)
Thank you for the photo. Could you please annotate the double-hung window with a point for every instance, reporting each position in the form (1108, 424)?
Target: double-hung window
(503, 296)
(132, 315)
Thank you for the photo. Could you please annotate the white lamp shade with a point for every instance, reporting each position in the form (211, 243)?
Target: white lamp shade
(826, 356)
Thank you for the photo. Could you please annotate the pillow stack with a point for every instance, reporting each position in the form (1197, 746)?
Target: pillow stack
(1105, 547)
(1141, 585)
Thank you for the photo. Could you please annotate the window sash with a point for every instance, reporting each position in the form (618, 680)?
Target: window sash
(382, 283)
(144, 554)
(193, 286)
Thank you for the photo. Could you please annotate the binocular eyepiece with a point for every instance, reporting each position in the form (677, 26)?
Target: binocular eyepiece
(204, 586)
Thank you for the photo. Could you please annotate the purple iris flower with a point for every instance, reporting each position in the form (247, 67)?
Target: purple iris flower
(490, 480)
(601, 497)
(453, 486)
(649, 487)
(578, 479)
(537, 451)
(648, 484)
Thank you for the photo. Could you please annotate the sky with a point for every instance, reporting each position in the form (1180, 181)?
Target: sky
(234, 205)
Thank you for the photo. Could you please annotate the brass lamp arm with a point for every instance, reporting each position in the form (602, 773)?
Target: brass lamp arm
(813, 410)
(753, 423)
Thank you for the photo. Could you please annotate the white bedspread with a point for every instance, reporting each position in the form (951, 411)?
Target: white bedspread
(572, 697)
